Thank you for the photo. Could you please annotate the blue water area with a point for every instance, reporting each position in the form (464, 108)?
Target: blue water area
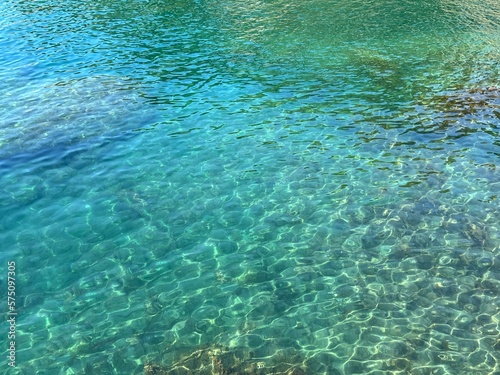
(251, 187)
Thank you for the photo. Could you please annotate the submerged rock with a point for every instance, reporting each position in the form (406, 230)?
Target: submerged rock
(467, 102)
(56, 114)
(218, 360)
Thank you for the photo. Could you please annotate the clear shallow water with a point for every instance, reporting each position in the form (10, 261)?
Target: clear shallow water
(253, 187)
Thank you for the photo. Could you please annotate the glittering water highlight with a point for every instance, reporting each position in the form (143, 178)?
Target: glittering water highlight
(260, 187)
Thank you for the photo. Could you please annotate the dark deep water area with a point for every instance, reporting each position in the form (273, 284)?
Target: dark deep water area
(251, 187)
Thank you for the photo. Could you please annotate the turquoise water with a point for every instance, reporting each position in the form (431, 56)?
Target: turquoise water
(251, 187)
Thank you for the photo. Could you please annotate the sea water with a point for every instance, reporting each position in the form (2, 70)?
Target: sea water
(250, 187)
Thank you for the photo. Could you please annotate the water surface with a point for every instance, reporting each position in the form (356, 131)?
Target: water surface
(265, 187)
